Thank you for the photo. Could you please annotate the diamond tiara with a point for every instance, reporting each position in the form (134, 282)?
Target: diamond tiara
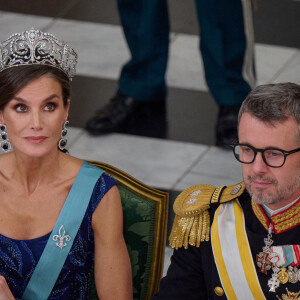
(37, 48)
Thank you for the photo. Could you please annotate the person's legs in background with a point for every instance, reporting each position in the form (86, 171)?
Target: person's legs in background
(227, 45)
(139, 105)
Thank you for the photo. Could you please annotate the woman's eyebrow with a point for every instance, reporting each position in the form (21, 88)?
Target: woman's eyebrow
(45, 100)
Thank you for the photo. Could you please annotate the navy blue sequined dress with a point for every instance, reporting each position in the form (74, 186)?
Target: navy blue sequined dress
(18, 258)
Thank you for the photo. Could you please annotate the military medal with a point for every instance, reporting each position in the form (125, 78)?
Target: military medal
(264, 262)
(294, 274)
(283, 276)
(266, 259)
(274, 283)
(282, 260)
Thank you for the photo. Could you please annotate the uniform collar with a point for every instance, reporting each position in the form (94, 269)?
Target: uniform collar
(270, 212)
(281, 221)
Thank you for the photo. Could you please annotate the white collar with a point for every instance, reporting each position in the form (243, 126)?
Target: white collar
(270, 212)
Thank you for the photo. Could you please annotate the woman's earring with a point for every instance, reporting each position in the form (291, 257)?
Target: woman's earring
(5, 143)
(62, 143)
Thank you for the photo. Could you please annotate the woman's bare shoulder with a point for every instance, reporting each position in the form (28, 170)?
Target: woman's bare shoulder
(71, 163)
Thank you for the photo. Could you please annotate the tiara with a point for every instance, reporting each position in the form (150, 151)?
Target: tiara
(37, 48)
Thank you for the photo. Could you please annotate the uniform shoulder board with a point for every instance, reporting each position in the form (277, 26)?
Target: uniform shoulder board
(191, 225)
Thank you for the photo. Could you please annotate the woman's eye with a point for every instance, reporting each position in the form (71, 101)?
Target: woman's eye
(50, 106)
(21, 108)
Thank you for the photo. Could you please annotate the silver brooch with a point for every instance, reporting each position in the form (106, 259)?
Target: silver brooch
(61, 237)
(236, 189)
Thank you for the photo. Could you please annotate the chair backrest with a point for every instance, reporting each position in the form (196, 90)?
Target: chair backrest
(145, 213)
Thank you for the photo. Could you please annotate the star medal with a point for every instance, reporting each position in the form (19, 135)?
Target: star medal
(266, 259)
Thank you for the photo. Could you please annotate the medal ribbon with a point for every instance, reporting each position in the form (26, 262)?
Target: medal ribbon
(296, 255)
(287, 255)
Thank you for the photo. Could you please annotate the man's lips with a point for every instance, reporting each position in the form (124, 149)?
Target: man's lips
(261, 183)
(35, 139)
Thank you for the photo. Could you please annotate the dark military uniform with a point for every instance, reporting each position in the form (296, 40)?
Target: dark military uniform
(226, 46)
(193, 273)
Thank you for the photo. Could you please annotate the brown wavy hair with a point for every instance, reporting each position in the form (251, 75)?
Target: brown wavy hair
(12, 80)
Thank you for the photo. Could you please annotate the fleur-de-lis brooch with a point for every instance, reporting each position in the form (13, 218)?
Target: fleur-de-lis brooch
(61, 237)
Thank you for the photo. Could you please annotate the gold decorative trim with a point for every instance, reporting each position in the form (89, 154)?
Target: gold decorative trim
(259, 214)
(281, 221)
(190, 230)
(287, 219)
(193, 200)
(191, 225)
(289, 295)
(216, 195)
(232, 192)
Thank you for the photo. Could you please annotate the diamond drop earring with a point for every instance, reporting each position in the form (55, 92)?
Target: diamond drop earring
(62, 143)
(5, 143)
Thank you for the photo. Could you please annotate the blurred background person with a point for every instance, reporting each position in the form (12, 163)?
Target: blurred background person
(226, 45)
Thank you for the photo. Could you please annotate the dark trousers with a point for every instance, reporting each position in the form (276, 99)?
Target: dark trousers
(226, 44)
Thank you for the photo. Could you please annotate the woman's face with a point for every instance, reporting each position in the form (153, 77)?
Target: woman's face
(35, 116)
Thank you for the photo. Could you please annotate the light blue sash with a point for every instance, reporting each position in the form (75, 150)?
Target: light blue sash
(63, 234)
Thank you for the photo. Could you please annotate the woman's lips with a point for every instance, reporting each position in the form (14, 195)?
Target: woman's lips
(35, 139)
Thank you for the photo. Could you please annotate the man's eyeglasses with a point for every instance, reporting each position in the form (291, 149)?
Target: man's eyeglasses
(272, 157)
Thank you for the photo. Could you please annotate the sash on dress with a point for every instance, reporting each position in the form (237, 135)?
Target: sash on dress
(64, 232)
(232, 253)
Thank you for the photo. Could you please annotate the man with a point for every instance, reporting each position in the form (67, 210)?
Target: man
(226, 46)
(250, 248)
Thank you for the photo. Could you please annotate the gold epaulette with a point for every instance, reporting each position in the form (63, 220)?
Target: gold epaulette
(192, 222)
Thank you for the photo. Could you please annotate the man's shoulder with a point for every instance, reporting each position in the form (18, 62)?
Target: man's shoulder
(192, 212)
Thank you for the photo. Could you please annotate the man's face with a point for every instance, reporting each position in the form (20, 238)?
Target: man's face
(275, 187)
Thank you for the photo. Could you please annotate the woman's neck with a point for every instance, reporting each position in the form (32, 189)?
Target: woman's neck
(30, 173)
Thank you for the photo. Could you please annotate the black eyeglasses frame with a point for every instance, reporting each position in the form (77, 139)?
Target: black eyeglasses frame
(256, 150)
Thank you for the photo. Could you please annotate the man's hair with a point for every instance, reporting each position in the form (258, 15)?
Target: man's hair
(272, 103)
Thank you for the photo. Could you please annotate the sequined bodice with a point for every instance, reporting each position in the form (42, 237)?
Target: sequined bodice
(18, 258)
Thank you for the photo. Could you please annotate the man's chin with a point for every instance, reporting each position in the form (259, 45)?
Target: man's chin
(265, 199)
(259, 194)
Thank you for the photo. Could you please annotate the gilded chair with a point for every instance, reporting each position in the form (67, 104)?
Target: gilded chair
(145, 213)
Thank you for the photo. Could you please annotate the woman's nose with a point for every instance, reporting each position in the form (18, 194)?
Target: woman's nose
(36, 120)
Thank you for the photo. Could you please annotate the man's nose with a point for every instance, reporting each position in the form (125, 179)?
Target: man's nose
(259, 164)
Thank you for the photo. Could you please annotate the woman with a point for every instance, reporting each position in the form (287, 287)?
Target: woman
(59, 216)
